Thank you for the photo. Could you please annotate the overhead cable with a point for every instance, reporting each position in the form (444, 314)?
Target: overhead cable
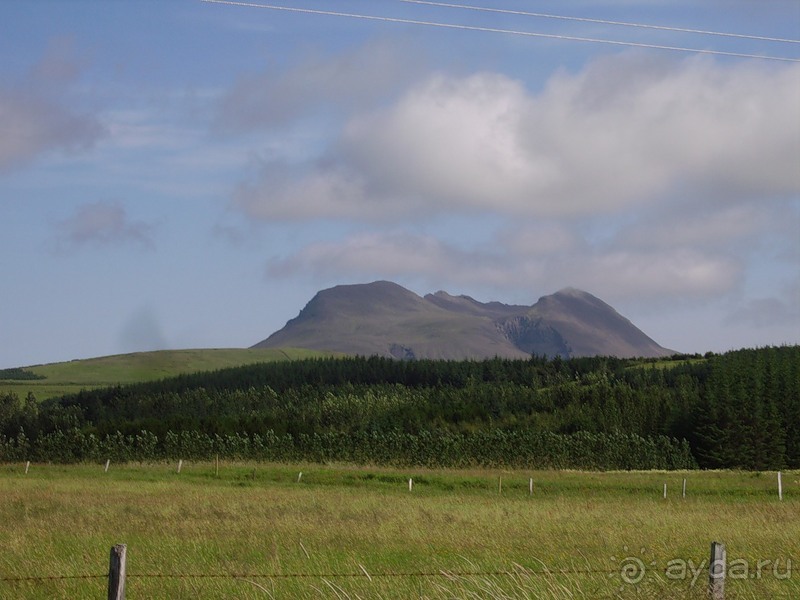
(602, 21)
(295, 9)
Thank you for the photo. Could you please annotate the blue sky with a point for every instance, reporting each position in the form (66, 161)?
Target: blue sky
(182, 174)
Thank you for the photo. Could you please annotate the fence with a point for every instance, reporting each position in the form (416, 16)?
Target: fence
(411, 481)
(117, 574)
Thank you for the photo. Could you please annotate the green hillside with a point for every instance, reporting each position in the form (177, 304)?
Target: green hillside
(56, 379)
(737, 410)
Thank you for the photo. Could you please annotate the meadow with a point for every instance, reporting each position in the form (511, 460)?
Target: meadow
(258, 530)
(57, 379)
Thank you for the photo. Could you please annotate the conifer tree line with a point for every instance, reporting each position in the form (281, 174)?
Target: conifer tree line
(739, 410)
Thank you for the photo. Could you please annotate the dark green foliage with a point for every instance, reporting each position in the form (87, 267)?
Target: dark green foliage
(495, 448)
(736, 410)
(19, 375)
(747, 415)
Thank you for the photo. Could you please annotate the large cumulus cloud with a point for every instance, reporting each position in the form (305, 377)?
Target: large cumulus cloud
(624, 132)
(645, 179)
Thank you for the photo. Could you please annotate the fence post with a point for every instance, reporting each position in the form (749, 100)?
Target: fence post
(780, 487)
(27, 466)
(684, 487)
(116, 572)
(716, 572)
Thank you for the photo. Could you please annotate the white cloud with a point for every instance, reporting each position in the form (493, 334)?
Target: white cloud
(36, 117)
(688, 225)
(381, 255)
(281, 191)
(518, 263)
(626, 131)
(653, 276)
(33, 124)
(103, 223)
(279, 95)
(646, 181)
(770, 312)
(448, 142)
(541, 239)
(134, 129)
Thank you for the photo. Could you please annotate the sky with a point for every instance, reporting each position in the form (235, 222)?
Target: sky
(188, 174)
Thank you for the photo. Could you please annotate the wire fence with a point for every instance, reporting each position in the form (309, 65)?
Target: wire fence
(328, 575)
(457, 577)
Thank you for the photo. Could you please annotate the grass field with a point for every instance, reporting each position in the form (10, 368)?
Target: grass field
(255, 531)
(73, 376)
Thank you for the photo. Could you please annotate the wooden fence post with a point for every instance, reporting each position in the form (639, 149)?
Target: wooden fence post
(530, 486)
(116, 572)
(27, 466)
(716, 572)
(684, 487)
(780, 487)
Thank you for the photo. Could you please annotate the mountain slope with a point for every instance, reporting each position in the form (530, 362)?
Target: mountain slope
(593, 327)
(385, 319)
(57, 379)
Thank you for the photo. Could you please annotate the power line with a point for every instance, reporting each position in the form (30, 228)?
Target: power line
(497, 30)
(602, 21)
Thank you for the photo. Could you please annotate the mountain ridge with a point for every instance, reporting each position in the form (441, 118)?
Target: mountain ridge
(385, 319)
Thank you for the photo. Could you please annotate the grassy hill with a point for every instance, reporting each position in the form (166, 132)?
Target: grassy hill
(72, 376)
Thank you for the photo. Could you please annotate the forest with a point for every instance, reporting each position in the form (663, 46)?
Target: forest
(738, 410)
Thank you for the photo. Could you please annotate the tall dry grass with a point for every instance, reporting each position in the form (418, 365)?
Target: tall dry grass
(254, 531)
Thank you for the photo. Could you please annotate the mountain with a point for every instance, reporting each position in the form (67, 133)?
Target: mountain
(383, 318)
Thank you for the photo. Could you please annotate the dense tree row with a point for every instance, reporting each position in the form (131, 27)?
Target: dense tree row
(19, 374)
(737, 410)
(495, 448)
